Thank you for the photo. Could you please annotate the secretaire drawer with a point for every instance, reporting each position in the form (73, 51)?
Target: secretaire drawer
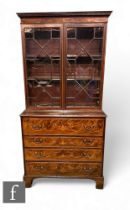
(42, 141)
(63, 169)
(63, 154)
(64, 126)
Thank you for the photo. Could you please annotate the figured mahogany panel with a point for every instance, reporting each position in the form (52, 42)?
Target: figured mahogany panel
(63, 126)
(63, 169)
(63, 154)
(41, 141)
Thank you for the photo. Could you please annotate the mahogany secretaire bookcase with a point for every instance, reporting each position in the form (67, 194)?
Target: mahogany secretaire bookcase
(63, 125)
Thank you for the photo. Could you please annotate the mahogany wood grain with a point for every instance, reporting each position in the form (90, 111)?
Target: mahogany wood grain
(80, 142)
(63, 154)
(63, 126)
(63, 169)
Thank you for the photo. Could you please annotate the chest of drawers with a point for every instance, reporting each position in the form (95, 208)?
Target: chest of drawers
(64, 145)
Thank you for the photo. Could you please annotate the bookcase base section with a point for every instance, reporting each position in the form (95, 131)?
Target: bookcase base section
(28, 180)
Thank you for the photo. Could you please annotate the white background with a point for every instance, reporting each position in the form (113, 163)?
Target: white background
(68, 194)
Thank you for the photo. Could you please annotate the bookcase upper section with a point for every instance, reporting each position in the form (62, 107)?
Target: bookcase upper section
(64, 56)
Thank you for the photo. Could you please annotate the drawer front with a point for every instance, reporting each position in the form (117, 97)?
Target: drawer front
(41, 141)
(63, 155)
(63, 169)
(64, 126)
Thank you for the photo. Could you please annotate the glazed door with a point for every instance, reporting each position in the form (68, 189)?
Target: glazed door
(83, 65)
(43, 65)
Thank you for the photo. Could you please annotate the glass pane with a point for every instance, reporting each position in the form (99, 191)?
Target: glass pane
(83, 69)
(43, 66)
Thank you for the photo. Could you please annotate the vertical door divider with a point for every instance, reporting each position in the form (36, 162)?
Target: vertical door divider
(63, 46)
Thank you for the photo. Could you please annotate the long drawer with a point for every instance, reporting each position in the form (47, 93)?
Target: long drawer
(63, 154)
(63, 126)
(63, 169)
(42, 141)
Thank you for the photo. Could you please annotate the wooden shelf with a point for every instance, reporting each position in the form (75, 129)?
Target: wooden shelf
(58, 78)
(83, 78)
(34, 58)
(43, 78)
(95, 56)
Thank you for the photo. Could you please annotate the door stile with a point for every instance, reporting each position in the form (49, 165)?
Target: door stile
(63, 80)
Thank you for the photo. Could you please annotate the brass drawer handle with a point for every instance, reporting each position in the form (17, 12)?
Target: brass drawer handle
(39, 140)
(39, 154)
(87, 141)
(86, 154)
(87, 169)
(39, 167)
(90, 128)
(37, 127)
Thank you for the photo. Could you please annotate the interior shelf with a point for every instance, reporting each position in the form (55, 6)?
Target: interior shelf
(40, 58)
(43, 78)
(58, 78)
(83, 78)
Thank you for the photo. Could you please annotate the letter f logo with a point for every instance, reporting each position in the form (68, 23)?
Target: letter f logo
(13, 191)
